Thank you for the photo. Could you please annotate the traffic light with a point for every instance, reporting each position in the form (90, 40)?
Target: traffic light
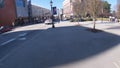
(54, 10)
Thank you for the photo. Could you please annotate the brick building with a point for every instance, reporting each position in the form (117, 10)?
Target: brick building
(68, 7)
(12, 9)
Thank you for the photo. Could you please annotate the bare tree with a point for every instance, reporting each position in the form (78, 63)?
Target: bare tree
(76, 8)
(79, 8)
(118, 10)
(94, 8)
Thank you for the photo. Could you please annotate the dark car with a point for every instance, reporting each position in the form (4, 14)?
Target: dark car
(5, 29)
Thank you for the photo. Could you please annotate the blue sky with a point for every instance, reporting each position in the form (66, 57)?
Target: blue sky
(58, 3)
(46, 3)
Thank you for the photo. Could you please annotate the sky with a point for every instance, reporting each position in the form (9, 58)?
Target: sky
(46, 3)
(58, 3)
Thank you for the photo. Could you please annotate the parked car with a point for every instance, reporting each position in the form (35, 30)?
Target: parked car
(5, 29)
(48, 21)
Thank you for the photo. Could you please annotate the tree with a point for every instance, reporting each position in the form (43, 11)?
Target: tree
(106, 8)
(76, 8)
(94, 7)
(79, 8)
(118, 10)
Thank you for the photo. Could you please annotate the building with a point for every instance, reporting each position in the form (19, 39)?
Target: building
(68, 7)
(7, 12)
(61, 14)
(12, 9)
(21, 8)
(38, 11)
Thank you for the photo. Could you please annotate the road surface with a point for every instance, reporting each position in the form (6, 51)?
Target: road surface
(69, 45)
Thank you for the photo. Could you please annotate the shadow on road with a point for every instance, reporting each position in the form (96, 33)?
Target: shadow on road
(7, 48)
(60, 46)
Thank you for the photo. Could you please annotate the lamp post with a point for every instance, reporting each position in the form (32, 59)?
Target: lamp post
(51, 4)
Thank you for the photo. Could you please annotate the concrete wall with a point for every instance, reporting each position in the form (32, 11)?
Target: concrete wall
(7, 13)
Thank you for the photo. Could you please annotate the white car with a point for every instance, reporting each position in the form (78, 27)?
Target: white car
(48, 21)
(1, 27)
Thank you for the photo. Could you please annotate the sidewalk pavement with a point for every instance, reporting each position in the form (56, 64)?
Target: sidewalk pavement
(105, 26)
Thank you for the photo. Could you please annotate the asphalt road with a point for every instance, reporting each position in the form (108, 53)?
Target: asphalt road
(66, 46)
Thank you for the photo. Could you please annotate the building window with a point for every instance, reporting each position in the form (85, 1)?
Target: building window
(20, 3)
(24, 3)
(1, 3)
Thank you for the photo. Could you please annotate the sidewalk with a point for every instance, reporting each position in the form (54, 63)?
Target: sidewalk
(106, 26)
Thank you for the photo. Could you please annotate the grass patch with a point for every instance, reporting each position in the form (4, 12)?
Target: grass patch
(104, 19)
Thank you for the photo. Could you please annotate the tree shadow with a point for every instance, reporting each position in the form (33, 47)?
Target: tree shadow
(64, 45)
(7, 48)
(74, 44)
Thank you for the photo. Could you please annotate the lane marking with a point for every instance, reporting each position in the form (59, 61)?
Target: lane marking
(22, 39)
(116, 64)
(11, 40)
(8, 41)
(21, 35)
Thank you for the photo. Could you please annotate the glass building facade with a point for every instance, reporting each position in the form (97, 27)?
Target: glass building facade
(20, 3)
(1, 3)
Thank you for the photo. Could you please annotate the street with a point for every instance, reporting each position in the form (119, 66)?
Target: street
(68, 45)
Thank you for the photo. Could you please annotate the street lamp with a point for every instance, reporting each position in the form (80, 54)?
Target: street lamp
(51, 4)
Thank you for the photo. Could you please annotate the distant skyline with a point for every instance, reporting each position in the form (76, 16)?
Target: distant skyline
(58, 3)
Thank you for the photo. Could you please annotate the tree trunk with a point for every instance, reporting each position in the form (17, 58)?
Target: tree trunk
(94, 23)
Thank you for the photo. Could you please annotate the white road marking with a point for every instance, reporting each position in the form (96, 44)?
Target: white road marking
(8, 41)
(21, 35)
(116, 64)
(22, 39)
